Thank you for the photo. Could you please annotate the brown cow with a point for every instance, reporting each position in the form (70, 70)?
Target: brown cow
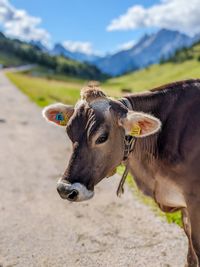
(165, 160)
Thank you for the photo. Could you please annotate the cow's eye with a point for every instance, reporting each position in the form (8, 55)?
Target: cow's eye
(102, 139)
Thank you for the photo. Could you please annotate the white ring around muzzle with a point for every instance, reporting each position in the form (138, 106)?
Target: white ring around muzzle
(83, 192)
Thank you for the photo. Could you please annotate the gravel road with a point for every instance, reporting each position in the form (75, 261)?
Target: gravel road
(37, 228)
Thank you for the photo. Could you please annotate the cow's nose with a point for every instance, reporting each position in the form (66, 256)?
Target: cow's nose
(66, 192)
(73, 192)
(73, 195)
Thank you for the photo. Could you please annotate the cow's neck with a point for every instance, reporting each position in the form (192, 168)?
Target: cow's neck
(158, 103)
(143, 160)
(161, 104)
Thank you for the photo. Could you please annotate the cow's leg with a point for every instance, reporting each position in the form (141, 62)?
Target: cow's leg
(192, 260)
(194, 216)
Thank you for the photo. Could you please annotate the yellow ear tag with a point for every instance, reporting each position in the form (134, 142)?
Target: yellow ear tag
(136, 130)
(62, 118)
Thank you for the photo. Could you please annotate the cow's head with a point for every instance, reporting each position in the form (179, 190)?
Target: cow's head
(97, 127)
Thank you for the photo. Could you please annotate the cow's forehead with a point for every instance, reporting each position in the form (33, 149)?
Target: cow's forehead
(87, 116)
(101, 104)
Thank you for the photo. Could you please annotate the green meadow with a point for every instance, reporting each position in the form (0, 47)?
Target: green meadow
(156, 75)
(44, 91)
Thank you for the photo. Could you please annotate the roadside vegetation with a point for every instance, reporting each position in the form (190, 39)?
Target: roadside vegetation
(45, 91)
(44, 87)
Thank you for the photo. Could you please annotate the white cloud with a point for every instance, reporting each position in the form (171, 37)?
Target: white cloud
(18, 23)
(127, 45)
(77, 46)
(182, 15)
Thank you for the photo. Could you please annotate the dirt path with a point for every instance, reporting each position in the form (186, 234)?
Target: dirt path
(37, 228)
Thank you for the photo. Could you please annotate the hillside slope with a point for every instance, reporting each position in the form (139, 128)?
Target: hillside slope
(14, 52)
(184, 65)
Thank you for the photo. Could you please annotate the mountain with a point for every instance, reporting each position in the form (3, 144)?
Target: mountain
(59, 50)
(149, 50)
(39, 45)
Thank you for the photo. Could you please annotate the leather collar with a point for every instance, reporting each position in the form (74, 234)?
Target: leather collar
(129, 143)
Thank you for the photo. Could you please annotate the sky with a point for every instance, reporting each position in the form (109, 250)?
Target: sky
(93, 26)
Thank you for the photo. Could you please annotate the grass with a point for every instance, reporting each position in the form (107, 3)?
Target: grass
(44, 88)
(46, 91)
(155, 75)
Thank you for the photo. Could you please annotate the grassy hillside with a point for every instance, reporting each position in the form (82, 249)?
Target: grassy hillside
(44, 91)
(185, 64)
(45, 88)
(15, 52)
(156, 75)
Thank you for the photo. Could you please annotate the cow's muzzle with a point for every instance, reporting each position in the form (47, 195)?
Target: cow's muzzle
(73, 192)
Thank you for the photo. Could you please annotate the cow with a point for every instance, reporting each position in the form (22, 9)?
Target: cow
(155, 133)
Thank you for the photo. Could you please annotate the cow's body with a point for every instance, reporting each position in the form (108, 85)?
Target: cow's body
(170, 170)
(171, 159)
(165, 162)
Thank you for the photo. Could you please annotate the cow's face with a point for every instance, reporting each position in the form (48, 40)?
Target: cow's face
(97, 127)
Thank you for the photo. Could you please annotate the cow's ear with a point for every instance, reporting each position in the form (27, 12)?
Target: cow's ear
(58, 114)
(140, 124)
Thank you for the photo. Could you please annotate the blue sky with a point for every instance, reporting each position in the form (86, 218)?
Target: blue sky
(83, 20)
(93, 25)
